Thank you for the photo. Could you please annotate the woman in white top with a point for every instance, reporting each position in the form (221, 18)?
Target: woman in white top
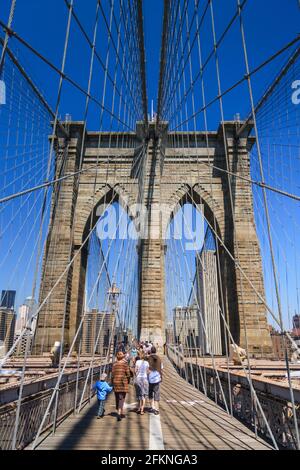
(141, 381)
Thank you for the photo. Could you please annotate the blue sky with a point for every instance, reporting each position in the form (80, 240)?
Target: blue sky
(269, 25)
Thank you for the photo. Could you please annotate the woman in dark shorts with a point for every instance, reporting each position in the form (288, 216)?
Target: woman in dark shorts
(120, 380)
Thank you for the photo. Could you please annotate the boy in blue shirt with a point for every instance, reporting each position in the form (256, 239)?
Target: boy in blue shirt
(103, 389)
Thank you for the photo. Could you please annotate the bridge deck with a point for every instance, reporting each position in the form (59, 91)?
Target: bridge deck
(188, 420)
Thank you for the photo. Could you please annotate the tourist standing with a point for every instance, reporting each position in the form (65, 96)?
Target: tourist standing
(155, 378)
(120, 380)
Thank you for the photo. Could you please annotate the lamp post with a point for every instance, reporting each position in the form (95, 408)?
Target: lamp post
(113, 298)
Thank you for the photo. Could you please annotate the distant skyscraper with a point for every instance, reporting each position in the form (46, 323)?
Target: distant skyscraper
(8, 298)
(186, 326)
(170, 336)
(26, 311)
(7, 327)
(97, 324)
(208, 299)
(21, 347)
(7, 319)
(280, 344)
(22, 319)
(296, 322)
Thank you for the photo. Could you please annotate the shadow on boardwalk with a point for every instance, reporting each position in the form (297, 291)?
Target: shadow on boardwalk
(189, 421)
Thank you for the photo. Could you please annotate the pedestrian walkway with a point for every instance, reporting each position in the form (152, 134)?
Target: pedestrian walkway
(187, 421)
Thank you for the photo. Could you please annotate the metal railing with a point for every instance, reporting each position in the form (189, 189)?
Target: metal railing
(33, 408)
(274, 399)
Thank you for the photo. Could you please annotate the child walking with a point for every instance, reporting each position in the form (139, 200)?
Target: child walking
(103, 389)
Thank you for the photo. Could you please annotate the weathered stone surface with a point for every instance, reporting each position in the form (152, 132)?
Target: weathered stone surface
(179, 167)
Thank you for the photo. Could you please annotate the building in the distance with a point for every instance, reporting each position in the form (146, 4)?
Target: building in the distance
(296, 322)
(170, 336)
(296, 325)
(7, 328)
(296, 330)
(25, 313)
(7, 320)
(97, 328)
(208, 301)
(186, 327)
(21, 347)
(280, 344)
(8, 298)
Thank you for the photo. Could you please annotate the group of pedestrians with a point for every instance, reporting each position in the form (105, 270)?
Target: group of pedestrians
(143, 366)
(147, 378)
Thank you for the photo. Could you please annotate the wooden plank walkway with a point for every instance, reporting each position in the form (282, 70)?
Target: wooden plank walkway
(187, 421)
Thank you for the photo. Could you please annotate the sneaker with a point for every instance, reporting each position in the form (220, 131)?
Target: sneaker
(156, 412)
(119, 418)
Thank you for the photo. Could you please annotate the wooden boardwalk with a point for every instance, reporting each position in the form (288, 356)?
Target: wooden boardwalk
(187, 421)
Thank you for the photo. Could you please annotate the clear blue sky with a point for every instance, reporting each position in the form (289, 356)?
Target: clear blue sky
(269, 25)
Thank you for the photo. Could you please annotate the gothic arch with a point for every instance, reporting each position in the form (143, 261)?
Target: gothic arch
(86, 213)
(195, 195)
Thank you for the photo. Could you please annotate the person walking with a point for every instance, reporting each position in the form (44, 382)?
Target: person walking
(141, 350)
(155, 378)
(133, 352)
(103, 389)
(120, 380)
(133, 357)
(121, 347)
(141, 382)
(149, 347)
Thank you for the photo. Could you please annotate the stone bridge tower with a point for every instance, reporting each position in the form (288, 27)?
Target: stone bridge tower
(177, 167)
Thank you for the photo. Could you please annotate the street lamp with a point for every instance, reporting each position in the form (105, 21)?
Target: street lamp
(113, 297)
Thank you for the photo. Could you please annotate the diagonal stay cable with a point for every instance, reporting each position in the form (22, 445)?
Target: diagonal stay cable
(71, 346)
(242, 80)
(248, 371)
(210, 55)
(7, 34)
(51, 183)
(266, 208)
(17, 341)
(56, 69)
(90, 43)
